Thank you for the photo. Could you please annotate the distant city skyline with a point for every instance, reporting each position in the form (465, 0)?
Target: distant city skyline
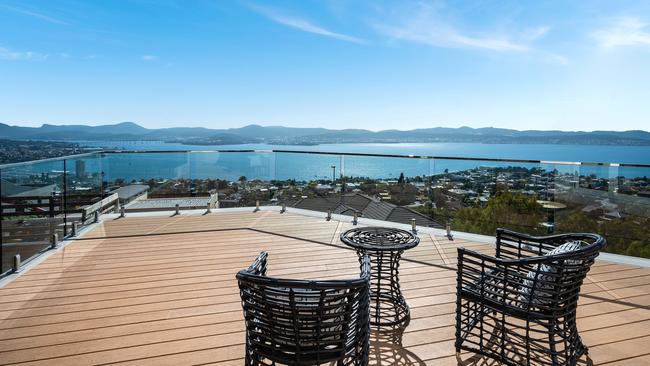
(553, 65)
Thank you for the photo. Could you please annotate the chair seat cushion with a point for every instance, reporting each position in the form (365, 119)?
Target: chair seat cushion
(523, 289)
(537, 288)
(491, 286)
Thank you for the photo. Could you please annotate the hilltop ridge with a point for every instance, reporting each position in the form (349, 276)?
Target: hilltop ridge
(254, 133)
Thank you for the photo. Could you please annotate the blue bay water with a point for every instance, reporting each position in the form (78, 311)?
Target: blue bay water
(575, 153)
(202, 164)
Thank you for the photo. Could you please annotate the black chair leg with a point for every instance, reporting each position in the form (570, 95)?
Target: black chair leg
(551, 341)
(248, 360)
(580, 348)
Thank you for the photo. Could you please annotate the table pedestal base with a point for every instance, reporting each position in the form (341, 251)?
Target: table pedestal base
(384, 246)
(387, 304)
(388, 311)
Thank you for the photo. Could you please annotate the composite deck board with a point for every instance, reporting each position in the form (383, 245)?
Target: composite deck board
(160, 290)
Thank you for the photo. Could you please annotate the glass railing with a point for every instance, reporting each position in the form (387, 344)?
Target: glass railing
(59, 196)
(45, 201)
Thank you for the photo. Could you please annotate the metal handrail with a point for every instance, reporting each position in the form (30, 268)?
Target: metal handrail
(48, 160)
(427, 157)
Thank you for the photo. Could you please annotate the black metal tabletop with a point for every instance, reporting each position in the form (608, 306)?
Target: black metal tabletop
(380, 239)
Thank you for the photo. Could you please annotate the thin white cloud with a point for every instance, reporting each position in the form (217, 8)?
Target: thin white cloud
(442, 35)
(302, 24)
(11, 55)
(33, 14)
(536, 33)
(624, 32)
(148, 58)
(552, 57)
(425, 24)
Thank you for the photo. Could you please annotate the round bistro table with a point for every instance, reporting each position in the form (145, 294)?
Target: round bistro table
(384, 246)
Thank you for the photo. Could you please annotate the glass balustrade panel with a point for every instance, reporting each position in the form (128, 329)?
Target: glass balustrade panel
(32, 208)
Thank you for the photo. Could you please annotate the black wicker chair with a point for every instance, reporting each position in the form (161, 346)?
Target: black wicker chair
(520, 305)
(297, 322)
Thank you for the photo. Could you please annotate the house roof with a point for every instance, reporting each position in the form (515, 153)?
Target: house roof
(14, 190)
(367, 207)
(131, 190)
(379, 210)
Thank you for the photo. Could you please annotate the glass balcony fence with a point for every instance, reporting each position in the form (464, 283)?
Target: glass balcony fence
(61, 196)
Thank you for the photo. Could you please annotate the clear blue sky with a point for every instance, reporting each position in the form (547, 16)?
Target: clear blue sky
(570, 65)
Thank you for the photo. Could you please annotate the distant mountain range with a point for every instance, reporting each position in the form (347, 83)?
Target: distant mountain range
(314, 136)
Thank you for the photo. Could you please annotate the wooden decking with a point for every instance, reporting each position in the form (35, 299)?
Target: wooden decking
(162, 291)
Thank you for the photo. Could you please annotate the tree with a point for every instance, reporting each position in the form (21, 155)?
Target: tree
(509, 210)
(222, 184)
(638, 249)
(403, 194)
(401, 178)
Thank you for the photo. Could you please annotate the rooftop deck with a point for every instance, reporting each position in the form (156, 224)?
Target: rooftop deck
(161, 290)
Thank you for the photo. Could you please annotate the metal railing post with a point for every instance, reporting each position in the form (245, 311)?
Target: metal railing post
(15, 263)
(54, 241)
(51, 205)
(96, 217)
(414, 229)
(64, 204)
(75, 228)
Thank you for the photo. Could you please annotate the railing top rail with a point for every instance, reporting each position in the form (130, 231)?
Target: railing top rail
(49, 160)
(434, 157)
(406, 156)
(431, 157)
